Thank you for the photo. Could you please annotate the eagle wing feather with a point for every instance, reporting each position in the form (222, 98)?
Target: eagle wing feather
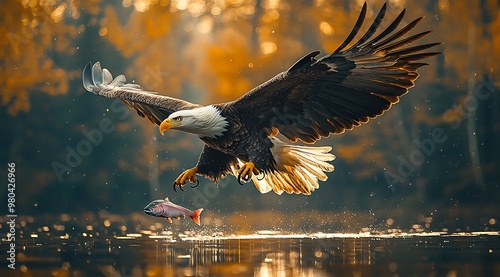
(148, 104)
(317, 97)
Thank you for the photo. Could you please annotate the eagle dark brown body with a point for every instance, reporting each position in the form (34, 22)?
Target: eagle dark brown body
(315, 97)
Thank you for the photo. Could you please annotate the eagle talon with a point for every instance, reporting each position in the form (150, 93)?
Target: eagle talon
(239, 180)
(187, 175)
(260, 179)
(246, 171)
(177, 185)
(197, 184)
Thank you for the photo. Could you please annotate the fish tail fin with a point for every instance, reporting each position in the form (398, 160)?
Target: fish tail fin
(196, 216)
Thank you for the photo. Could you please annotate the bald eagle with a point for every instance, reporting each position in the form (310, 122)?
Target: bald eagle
(315, 97)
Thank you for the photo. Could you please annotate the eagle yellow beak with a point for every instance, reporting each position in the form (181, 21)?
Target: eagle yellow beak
(167, 124)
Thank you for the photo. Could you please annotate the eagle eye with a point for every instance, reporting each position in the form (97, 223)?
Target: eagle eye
(178, 118)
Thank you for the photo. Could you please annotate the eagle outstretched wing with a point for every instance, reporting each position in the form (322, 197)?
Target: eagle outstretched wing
(317, 97)
(147, 103)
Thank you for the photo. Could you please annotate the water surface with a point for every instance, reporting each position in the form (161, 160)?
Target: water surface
(263, 253)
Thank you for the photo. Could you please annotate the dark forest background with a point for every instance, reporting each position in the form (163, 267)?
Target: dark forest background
(432, 158)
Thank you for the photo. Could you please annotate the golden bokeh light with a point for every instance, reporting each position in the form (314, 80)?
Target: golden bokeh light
(268, 47)
(326, 28)
(58, 14)
(206, 24)
(103, 31)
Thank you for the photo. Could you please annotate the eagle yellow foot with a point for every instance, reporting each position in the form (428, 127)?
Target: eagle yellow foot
(190, 175)
(246, 171)
(274, 132)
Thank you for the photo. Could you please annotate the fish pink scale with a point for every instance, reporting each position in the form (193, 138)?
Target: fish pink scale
(159, 209)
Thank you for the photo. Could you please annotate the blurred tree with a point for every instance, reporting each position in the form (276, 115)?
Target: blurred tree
(30, 30)
(215, 51)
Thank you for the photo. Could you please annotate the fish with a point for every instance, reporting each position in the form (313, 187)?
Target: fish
(165, 208)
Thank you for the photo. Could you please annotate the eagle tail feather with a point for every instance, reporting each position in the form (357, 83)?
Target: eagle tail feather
(298, 169)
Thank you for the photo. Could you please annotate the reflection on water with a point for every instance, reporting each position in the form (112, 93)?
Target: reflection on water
(66, 250)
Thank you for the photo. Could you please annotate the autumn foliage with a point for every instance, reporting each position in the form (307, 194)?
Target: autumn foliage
(215, 51)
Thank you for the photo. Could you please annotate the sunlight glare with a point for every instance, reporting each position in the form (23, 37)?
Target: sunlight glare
(197, 7)
(58, 14)
(326, 28)
(215, 11)
(180, 4)
(141, 5)
(268, 47)
(270, 4)
(270, 16)
(206, 25)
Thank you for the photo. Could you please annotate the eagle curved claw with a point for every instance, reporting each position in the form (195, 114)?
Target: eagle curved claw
(239, 180)
(187, 175)
(175, 185)
(261, 178)
(246, 171)
(197, 184)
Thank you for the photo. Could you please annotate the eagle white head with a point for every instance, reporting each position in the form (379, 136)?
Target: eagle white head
(204, 122)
